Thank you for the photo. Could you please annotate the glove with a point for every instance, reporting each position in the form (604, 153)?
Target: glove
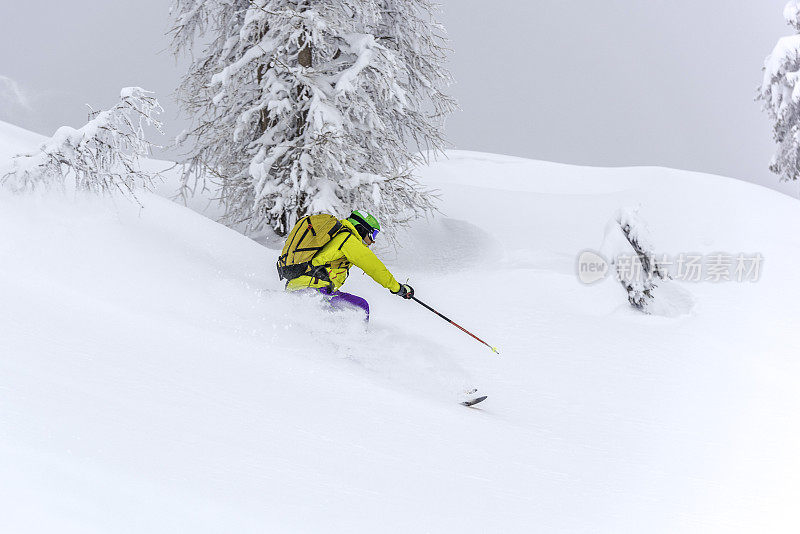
(405, 291)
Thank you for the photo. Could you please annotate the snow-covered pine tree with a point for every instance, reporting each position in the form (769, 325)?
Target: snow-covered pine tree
(780, 93)
(312, 106)
(102, 156)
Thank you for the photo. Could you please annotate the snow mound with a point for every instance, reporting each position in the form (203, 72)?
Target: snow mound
(671, 300)
(443, 244)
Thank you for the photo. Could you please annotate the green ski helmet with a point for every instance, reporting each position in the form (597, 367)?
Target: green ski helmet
(365, 224)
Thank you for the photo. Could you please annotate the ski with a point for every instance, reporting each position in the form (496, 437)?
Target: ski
(475, 401)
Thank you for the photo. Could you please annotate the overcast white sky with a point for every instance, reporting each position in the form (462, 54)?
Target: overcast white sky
(618, 82)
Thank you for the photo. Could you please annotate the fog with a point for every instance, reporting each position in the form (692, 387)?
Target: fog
(592, 83)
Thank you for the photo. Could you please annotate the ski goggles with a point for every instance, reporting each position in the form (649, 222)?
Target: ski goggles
(374, 234)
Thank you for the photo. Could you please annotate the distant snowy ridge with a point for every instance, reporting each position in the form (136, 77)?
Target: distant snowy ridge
(14, 140)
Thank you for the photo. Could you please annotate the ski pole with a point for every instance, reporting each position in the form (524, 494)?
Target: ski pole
(457, 325)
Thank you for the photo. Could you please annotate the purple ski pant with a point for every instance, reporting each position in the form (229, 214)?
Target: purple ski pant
(339, 300)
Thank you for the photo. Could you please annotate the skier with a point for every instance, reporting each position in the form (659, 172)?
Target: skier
(317, 257)
(328, 268)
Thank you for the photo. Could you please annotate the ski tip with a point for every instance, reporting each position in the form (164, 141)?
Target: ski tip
(473, 402)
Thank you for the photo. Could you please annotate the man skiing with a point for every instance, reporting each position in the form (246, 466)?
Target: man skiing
(329, 267)
(317, 257)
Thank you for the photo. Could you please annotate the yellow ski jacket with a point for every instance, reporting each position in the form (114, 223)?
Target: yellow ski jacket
(341, 253)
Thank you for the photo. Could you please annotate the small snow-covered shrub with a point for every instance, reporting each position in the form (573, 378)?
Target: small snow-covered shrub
(628, 248)
(100, 157)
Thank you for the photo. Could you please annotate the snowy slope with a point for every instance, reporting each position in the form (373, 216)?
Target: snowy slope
(14, 140)
(154, 377)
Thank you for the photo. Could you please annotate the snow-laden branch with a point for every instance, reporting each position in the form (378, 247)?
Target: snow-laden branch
(102, 156)
(628, 247)
(792, 13)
